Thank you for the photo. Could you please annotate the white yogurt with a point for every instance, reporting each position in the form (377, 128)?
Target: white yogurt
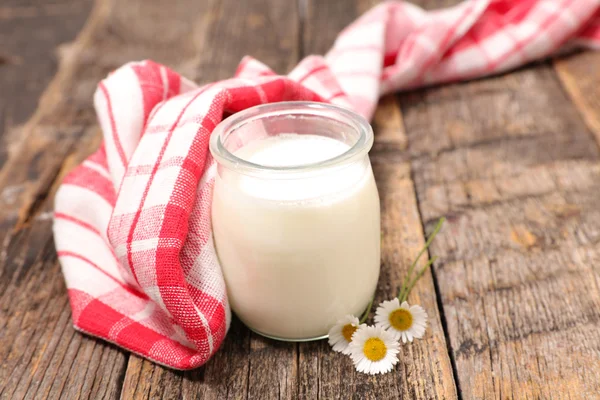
(300, 252)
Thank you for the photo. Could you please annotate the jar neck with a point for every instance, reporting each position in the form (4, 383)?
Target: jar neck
(266, 121)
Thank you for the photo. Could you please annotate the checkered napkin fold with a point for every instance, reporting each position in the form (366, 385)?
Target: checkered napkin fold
(132, 223)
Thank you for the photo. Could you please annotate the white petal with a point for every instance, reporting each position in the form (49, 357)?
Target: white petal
(363, 366)
(382, 318)
(393, 303)
(416, 308)
(418, 332)
(404, 337)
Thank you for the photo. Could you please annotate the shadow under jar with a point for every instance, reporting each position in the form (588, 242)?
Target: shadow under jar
(296, 217)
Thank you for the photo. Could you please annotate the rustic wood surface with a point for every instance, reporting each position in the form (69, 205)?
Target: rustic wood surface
(512, 161)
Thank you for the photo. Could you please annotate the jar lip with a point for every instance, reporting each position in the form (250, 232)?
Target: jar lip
(226, 158)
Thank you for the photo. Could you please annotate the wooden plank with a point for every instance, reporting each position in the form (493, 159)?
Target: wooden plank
(388, 123)
(424, 371)
(580, 77)
(515, 169)
(264, 29)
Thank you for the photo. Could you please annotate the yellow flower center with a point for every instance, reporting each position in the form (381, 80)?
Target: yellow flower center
(374, 349)
(348, 330)
(401, 319)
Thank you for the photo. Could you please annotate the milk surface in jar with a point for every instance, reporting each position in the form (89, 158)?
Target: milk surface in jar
(297, 229)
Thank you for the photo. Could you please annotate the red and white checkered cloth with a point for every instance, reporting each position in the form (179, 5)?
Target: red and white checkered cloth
(132, 222)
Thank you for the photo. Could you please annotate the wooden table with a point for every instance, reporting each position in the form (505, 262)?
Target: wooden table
(512, 161)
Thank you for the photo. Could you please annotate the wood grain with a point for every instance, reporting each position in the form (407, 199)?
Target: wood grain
(32, 32)
(387, 121)
(580, 77)
(515, 169)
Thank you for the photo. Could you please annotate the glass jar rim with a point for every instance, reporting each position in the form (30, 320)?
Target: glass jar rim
(356, 152)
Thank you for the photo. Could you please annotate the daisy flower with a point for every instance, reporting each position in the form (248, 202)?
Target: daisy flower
(340, 335)
(374, 350)
(404, 321)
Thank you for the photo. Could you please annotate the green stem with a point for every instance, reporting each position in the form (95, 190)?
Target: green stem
(414, 281)
(403, 289)
(366, 314)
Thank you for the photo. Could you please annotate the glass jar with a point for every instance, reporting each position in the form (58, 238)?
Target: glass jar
(296, 218)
